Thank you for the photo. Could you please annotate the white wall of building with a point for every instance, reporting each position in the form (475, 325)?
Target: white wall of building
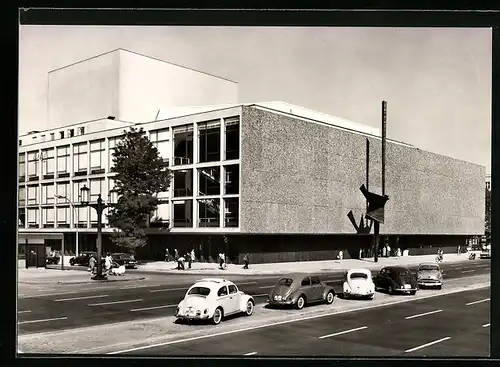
(88, 90)
(147, 84)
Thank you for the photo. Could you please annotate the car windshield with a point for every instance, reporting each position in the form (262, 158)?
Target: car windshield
(428, 267)
(199, 291)
(359, 276)
(285, 281)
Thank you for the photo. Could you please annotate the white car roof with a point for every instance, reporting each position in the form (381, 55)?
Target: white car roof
(212, 282)
(360, 270)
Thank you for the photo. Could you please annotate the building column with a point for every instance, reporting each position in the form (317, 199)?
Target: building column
(196, 142)
(222, 171)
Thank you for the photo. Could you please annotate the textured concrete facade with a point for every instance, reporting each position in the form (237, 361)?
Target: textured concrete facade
(302, 177)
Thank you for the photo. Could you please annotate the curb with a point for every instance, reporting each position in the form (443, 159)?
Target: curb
(217, 272)
(100, 281)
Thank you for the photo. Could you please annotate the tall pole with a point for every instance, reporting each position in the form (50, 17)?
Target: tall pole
(376, 227)
(99, 208)
(384, 132)
(367, 169)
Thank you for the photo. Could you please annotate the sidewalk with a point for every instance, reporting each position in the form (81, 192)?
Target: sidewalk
(44, 276)
(299, 267)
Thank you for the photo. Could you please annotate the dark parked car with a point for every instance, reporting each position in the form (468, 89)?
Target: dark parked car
(52, 260)
(396, 279)
(125, 259)
(83, 258)
(300, 289)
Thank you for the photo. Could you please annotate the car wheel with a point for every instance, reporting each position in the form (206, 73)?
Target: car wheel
(370, 297)
(301, 302)
(250, 307)
(72, 262)
(390, 290)
(439, 287)
(217, 317)
(330, 297)
(413, 293)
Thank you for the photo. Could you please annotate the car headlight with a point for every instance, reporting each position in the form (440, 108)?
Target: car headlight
(206, 311)
(419, 277)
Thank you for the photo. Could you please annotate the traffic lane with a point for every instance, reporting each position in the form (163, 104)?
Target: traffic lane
(58, 312)
(385, 331)
(154, 280)
(185, 281)
(61, 311)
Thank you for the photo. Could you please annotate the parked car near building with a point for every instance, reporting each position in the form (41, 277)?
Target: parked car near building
(358, 283)
(52, 259)
(396, 279)
(213, 299)
(486, 252)
(429, 274)
(299, 290)
(125, 259)
(83, 258)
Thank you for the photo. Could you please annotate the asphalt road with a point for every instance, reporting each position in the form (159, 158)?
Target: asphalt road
(58, 307)
(453, 325)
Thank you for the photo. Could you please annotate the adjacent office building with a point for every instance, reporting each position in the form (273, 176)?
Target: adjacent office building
(270, 179)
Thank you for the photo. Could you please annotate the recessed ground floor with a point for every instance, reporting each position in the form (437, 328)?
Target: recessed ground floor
(265, 248)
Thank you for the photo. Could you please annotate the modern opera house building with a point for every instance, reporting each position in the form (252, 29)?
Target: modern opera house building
(270, 179)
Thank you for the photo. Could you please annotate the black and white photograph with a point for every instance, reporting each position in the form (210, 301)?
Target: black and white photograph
(254, 191)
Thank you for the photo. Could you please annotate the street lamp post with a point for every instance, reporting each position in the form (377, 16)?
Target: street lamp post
(77, 220)
(99, 206)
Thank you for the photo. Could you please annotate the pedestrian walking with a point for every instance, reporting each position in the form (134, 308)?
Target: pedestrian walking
(340, 256)
(388, 250)
(167, 255)
(221, 261)
(190, 260)
(176, 255)
(384, 251)
(246, 260)
(91, 264)
(180, 263)
(193, 257)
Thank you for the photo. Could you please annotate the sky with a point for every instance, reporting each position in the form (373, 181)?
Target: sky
(436, 81)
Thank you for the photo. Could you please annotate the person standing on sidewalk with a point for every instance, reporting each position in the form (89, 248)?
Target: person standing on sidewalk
(167, 255)
(91, 264)
(246, 260)
(190, 260)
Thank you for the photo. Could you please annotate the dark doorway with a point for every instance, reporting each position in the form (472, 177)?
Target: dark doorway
(35, 256)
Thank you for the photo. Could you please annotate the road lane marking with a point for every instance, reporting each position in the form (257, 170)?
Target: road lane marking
(169, 289)
(45, 294)
(422, 314)
(284, 322)
(486, 325)
(250, 354)
(142, 286)
(112, 303)
(343, 332)
(85, 297)
(267, 286)
(427, 345)
(24, 311)
(43, 320)
(150, 308)
(481, 300)
(467, 271)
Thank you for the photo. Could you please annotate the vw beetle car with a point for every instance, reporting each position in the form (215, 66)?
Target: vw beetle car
(396, 279)
(125, 259)
(358, 283)
(213, 299)
(300, 289)
(429, 274)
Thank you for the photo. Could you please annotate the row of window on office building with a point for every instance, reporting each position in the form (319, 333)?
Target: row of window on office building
(209, 143)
